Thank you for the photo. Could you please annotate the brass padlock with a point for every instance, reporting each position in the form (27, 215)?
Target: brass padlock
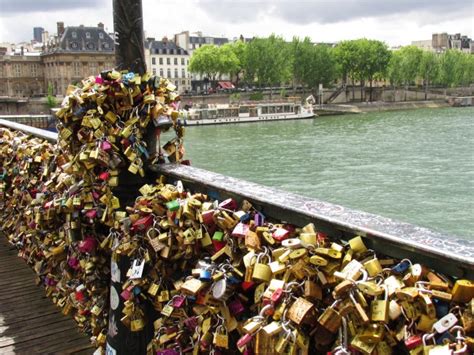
(373, 267)
(379, 309)
(261, 271)
(300, 311)
(330, 319)
(221, 339)
(372, 333)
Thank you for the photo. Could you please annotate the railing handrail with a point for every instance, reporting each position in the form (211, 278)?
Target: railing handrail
(449, 254)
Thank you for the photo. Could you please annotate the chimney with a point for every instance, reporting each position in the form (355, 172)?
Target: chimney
(100, 25)
(22, 51)
(165, 39)
(60, 26)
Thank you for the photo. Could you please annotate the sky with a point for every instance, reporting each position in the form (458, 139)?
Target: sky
(397, 22)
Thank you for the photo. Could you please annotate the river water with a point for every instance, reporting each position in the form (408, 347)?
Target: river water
(415, 166)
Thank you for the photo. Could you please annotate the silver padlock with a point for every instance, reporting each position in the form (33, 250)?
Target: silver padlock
(445, 323)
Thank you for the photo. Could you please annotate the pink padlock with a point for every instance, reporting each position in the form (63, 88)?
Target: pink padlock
(240, 230)
(236, 307)
(243, 341)
(87, 245)
(229, 204)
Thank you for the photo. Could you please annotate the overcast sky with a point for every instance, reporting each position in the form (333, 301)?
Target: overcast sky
(397, 22)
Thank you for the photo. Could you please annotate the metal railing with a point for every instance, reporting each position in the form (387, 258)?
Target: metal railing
(448, 254)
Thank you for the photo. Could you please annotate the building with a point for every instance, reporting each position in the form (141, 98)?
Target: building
(76, 52)
(426, 45)
(192, 41)
(38, 34)
(443, 41)
(168, 60)
(21, 74)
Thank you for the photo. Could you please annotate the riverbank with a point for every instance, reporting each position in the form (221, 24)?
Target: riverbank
(377, 106)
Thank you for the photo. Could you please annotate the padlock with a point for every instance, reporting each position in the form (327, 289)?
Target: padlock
(372, 333)
(221, 339)
(330, 319)
(261, 271)
(272, 328)
(300, 311)
(363, 347)
(379, 309)
(373, 267)
(463, 291)
(357, 245)
(445, 323)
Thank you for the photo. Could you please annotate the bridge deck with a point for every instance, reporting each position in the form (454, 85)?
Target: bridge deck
(29, 322)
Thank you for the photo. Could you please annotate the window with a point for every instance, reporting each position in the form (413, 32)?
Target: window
(183, 82)
(160, 61)
(175, 61)
(168, 61)
(101, 35)
(74, 34)
(92, 68)
(34, 69)
(176, 73)
(169, 73)
(153, 60)
(90, 46)
(182, 61)
(183, 73)
(154, 71)
(161, 72)
(16, 70)
(88, 35)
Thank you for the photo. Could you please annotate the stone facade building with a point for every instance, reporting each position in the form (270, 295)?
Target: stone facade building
(167, 60)
(21, 75)
(76, 53)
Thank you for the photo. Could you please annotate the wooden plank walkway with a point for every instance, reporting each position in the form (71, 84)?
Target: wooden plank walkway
(29, 321)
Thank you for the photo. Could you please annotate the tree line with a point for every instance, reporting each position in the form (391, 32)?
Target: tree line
(273, 62)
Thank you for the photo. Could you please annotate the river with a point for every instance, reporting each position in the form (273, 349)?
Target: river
(416, 166)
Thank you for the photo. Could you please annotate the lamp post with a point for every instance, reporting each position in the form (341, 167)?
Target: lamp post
(129, 55)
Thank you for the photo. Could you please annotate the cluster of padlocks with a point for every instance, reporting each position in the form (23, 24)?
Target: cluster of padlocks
(219, 276)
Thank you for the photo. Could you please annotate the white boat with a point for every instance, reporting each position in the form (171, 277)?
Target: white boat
(258, 112)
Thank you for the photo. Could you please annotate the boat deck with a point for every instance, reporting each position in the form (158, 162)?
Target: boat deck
(29, 322)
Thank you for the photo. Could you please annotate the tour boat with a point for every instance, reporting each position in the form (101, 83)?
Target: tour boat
(258, 112)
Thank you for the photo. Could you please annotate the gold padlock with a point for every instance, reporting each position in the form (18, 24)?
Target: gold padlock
(463, 291)
(372, 333)
(379, 309)
(373, 267)
(301, 311)
(330, 319)
(262, 272)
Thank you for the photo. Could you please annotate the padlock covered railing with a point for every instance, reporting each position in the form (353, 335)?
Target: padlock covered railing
(448, 254)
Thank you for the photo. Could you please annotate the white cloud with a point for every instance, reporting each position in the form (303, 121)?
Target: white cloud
(396, 22)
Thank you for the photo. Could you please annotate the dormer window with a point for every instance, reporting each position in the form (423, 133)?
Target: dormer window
(74, 34)
(88, 35)
(101, 35)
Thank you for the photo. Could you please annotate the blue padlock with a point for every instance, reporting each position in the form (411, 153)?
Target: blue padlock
(233, 280)
(444, 338)
(401, 267)
(442, 308)
(137, 290)
(245, 218)
(205, 275)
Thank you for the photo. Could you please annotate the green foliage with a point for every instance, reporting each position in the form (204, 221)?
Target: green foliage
(283, 93)
(405, 66)
(205, 61)
(455, 68)
(429, 67)
(322, 68)
(267, 61)
(256, 96)
(235, 97)
(50, 99)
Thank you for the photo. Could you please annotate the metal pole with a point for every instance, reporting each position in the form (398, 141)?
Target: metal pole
(129, 55)
(129, 41)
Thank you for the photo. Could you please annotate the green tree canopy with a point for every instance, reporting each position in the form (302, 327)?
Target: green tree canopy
(205, 61)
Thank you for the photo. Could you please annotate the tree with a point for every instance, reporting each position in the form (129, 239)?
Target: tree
(301, 60)
(428, 69)
(405, 66)
(50, 99)
(321, 69)
(267, 61)
(239, 48)
(227, 61)
(452, 68)
(373, 60)
(346, 57)
(204, 61)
